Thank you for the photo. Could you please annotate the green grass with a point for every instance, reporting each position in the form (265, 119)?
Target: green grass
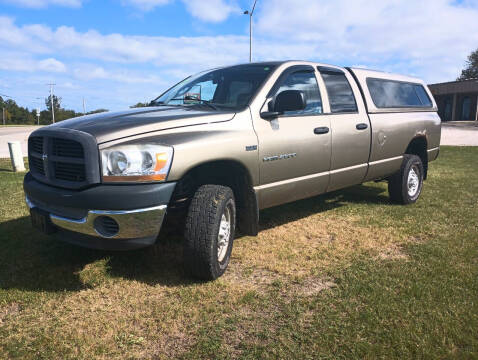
(340, 276)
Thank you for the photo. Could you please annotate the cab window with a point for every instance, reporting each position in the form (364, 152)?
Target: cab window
(341, 96)
(306, 82)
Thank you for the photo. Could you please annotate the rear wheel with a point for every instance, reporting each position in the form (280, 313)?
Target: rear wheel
(209, 233)
(406, 185)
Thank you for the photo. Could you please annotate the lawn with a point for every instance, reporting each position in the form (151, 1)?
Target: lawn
(340, 276)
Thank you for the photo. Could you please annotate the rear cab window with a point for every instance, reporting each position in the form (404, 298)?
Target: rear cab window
(341, 95)
(397, 94)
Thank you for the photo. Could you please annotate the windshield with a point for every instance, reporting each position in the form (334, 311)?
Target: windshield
(231, 87)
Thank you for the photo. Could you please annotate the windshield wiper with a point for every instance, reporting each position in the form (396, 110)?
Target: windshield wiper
(208, 103)
(193, 102)
(162, 103)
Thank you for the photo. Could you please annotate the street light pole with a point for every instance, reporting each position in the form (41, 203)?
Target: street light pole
(250, 13)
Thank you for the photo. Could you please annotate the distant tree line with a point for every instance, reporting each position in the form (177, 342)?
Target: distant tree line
(19, 115)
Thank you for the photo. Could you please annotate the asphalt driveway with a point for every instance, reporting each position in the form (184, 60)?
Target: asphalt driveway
(14, 133)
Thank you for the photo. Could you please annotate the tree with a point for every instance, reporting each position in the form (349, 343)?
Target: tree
(139, 105)
(56, 103)
(97, 111)
(471, 69)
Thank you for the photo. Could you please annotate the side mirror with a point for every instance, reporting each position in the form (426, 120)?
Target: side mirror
(287, 100)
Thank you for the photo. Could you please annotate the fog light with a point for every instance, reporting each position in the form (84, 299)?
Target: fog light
(106, 226)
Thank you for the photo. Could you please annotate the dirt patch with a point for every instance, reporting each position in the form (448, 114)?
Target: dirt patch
(310, 246)
(313, 286)
(393, 253)
(8, 311)
(256, 279)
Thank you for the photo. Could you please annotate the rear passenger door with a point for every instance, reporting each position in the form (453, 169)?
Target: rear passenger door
(350, 129)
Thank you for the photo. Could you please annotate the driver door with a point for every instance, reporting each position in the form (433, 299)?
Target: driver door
(294, 148)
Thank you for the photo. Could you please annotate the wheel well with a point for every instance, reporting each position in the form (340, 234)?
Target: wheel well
(418, 146)
(222, 172)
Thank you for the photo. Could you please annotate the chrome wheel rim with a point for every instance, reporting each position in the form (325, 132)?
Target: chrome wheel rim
(224, 235)
(413, 181)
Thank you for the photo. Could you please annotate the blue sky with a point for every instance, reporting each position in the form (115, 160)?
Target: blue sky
(115, 53)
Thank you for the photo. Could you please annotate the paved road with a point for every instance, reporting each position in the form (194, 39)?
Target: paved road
(14, 133)
(458, 135)
(451, 135)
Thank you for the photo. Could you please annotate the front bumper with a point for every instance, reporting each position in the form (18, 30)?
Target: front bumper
(104, 217)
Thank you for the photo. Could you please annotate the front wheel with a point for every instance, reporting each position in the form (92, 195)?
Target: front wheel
(406, 185)
(209, 233)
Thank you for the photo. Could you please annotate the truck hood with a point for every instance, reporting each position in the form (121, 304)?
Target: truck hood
(110, 126)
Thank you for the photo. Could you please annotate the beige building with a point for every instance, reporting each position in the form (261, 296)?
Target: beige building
(457, 100)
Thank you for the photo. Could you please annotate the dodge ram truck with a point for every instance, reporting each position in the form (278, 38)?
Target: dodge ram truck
(223, 144)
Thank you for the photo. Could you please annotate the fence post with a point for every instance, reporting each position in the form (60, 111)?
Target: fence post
(16, 156)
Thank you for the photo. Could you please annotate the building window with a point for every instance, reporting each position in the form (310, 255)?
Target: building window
(448, 110)
(466, 109)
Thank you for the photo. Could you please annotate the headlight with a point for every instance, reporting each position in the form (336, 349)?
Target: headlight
(136, 163)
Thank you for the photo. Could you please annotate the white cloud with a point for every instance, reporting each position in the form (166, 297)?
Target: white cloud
(426, 38)
(89, 72)
(145, 5)
(12, 61)
(214, 11)
(211, 11)
(37, 4)
(51, 65)
(429, 37)
(196, 52)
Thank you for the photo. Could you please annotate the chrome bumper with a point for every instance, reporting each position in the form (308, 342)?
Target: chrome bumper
(132, 224)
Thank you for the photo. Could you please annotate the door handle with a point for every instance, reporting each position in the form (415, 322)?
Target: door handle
(321, 130)
(361, 126)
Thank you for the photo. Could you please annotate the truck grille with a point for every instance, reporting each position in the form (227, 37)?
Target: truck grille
(36, 144)
(62, 161)
(69, 172)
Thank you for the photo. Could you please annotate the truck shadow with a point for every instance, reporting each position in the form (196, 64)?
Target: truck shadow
(360, 194)
(32, 261)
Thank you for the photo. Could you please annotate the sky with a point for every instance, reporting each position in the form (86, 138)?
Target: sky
(115, 53)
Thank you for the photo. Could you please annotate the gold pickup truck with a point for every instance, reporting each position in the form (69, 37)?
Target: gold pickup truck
(223, 144)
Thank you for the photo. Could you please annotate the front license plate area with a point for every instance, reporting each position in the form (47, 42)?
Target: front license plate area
(41, 221)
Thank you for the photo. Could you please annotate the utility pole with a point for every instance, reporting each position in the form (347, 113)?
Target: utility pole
(84, 107)
(52, 105)
(250, 13)
(3, 108)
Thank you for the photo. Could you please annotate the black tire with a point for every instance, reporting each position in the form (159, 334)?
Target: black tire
(398, 184)
(201, 248)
